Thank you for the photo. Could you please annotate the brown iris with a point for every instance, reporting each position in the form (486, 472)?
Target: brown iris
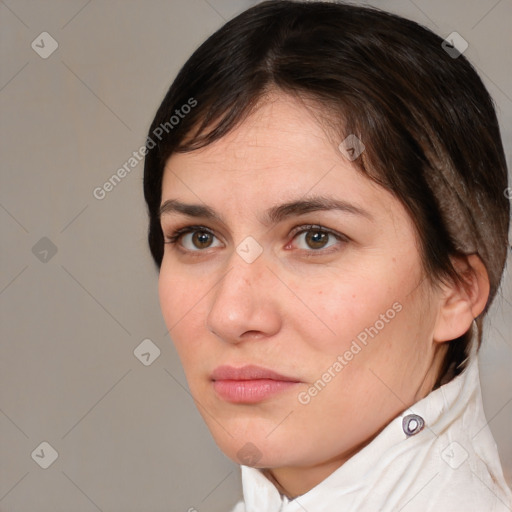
(317, 239)
(202, 239)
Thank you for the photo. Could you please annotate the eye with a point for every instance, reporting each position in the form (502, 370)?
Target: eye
(309, 238)
(194, 238)
(316, 238)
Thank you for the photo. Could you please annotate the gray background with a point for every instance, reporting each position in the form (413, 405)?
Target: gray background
(128, 435)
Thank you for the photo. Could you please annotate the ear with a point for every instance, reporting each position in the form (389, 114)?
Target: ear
(461, 303)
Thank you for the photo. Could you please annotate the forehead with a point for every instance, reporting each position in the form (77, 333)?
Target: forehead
(279, 129)
(281, 152)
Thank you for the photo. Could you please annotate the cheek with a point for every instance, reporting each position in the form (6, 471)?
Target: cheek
(177, 291)
(168, 289)
(181, 308)
(342, 308)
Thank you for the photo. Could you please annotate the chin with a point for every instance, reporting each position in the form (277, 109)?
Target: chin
(248, 443)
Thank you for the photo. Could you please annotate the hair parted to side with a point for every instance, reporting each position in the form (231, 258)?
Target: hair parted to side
(428, 124)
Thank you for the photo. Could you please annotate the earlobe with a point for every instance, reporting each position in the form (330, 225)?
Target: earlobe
(461, 303)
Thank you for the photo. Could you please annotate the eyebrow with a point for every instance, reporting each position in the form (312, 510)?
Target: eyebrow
(273, 215)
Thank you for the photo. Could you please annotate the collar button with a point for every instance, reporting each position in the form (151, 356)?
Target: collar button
(412, 424)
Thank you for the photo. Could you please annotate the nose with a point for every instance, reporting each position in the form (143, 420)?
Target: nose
(245, 305)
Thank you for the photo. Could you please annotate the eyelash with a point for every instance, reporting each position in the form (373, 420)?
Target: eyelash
(176, 235)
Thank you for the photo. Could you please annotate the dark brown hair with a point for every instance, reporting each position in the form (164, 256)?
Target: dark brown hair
(427, 121)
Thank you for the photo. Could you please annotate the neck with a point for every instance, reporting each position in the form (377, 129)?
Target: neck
(295, 481)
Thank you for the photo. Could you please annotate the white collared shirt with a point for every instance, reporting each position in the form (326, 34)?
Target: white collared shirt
(451, 465)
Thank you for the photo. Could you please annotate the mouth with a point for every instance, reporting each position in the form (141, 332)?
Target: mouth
(249, 384)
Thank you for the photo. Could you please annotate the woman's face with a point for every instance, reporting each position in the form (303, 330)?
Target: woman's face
(293, 293)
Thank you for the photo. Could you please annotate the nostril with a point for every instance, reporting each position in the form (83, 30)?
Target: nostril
(253, 334)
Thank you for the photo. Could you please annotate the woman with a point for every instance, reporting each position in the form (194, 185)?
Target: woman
(325, 186)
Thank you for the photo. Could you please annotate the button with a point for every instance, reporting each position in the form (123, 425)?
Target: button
(412, 424)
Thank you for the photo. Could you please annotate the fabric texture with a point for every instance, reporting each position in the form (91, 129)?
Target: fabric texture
(451, 465)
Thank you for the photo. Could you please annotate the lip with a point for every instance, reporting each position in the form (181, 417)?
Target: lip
(249, 384)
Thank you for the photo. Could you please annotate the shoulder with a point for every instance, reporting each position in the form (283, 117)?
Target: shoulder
(462, 481)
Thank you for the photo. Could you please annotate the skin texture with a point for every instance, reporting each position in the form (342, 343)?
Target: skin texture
(295, 309)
